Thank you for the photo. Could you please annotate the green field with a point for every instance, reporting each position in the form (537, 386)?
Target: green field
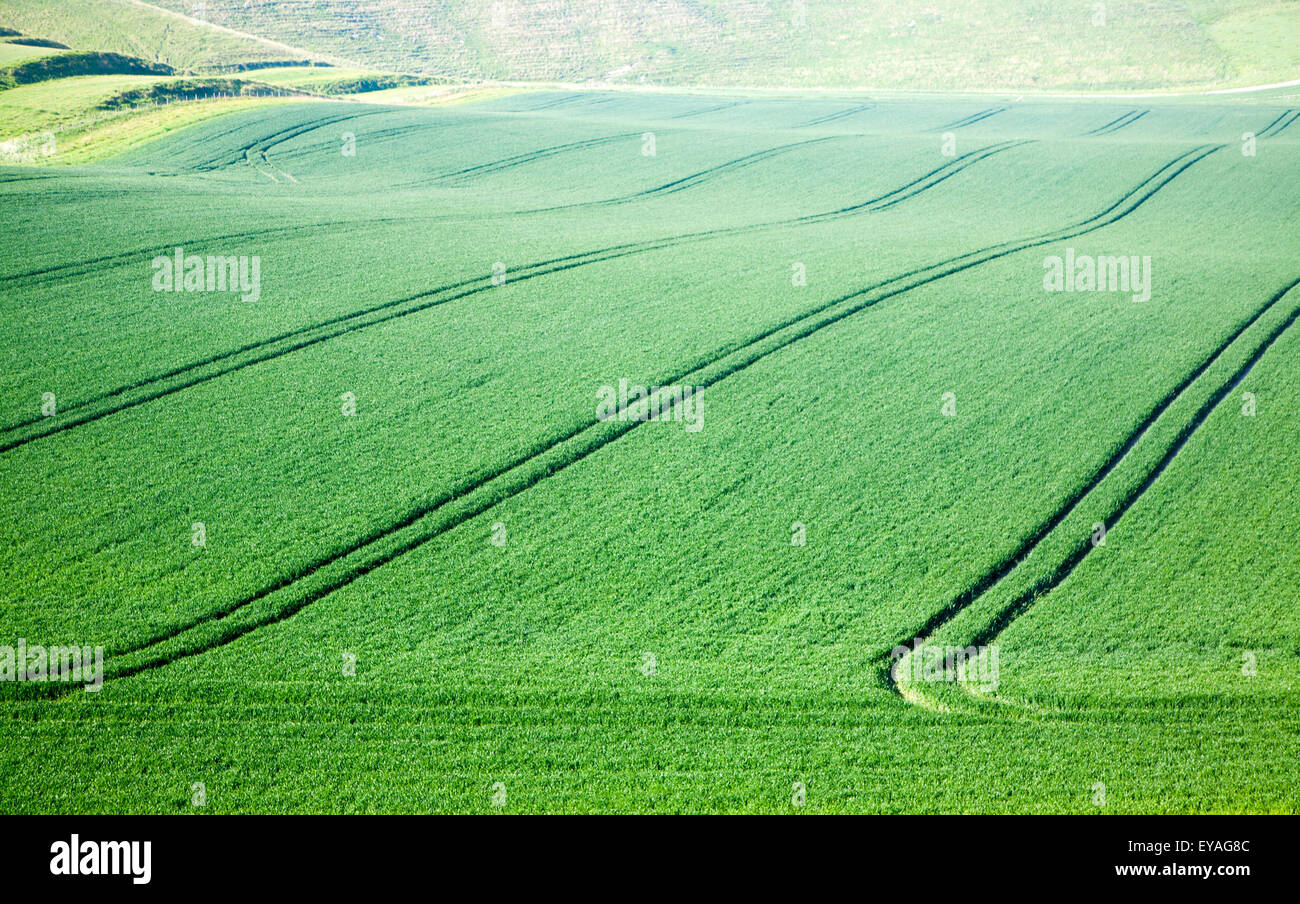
(432, 578)
(47, 105)
(14, 54)
(88, 117)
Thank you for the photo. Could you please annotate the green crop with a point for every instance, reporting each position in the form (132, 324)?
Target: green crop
(365, 542)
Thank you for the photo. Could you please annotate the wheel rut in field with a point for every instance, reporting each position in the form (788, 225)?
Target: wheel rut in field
(1027, 599)
(835, 117)
(1277, 126)
(59, 272)
(152, 388)
(1043, 586)
(90, 265)
(693, 180)
(265, 142)
(971, 120)
(322, 577)
(522, 159)
(1122, 122)
(718, 108)
(552, 104)
(517, 160)
(707, 175)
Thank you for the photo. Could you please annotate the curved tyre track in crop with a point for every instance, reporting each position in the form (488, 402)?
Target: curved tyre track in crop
(1279, 125)
(552, 104)
(56, 272)
(1107, 125)
(835, 117)
(700, 178)
(1122, 122)
(718, 108)
(971, 120)
(148, 389)
(266, 142)
(6, 180)
(1046, 584)
(508, 163)
(1023, 602)
(476, 495)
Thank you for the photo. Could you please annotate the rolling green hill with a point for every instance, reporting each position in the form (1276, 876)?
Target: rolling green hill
(143, 30)
(346, 505)
(69, 64)
(942, 44)
(471, 577)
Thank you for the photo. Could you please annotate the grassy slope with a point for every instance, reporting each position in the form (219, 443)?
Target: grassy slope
(1260, 42)
(135, 30)
(74, 109)
(49, 105)
(12, 54)
(93, 116)
(947, 44)
(132, 128)
(520, 663)
(119, 106)
(71, 64)
(100, 115)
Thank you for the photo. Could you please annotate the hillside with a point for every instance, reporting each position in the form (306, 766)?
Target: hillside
(358, 536)
(397, 434)
(937, 44)
(65, 99)
(141, 30)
